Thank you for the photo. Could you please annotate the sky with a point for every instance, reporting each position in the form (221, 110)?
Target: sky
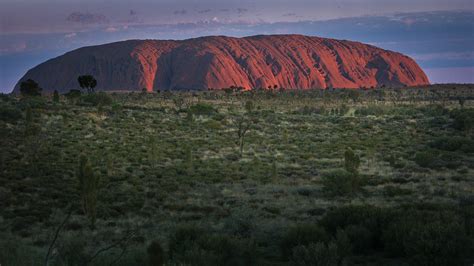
(439, 35)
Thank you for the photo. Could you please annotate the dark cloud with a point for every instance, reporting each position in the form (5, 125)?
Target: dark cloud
(289, 15)
(180, 12)
(204, 11)
(242, 10)
(87, 18)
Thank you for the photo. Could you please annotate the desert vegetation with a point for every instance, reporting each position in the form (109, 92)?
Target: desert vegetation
(266, 177)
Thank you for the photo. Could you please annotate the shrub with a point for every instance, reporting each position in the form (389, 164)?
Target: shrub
(190, 245)
(453, 144)
(30, 88)
(427, 237)
(351, 161)
(9, 113)
(183, 238)
(362, 224)
(301, 235)
(96, 99)
(340, 182)
(316, 254)
(463, 119)
(155, 254)
(73, 94)
(426, 159)
(249, 106)
(202, 109)
(374, 110)
(334, 252)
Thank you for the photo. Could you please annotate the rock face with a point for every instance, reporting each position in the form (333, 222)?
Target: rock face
(288, 61)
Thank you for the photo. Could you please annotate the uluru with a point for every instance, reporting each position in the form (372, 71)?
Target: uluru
(214, 62)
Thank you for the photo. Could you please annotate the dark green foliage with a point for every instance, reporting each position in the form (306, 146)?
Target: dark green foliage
(249, 106)
(426, 159)
(428, 237)
(363, 225)
(301, 235)
(463, 119)
(374, 110)
(454, 143)
(55, 96)
(97, 99)
(87, 82)
(73, 94)
(72, 252)
(244, 205)
(30, 127)
(333, 252)
(156, 255)
(202, 109)
(351, 161)
(190, 245)
(316, 254)
(183, 238)
(30, 88)
(88, 186)
(9, 113)
(340, 182)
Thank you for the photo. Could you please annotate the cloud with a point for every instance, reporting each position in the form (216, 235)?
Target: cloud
(242, 10)
(70, 35)
(14, 47)
(111, 29)
(87, 18)
(445, 56)
(289, 15)
(204, 11)
(180, 12)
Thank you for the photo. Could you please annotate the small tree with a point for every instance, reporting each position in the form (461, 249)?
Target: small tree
(30, 88)
(87, 82)
(249, 106)
(55, 96)
(89, 186)
(242, 128)
(351, 161)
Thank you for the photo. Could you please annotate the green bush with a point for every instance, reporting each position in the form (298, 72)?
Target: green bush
(427, 237)
(426, 159)
(340, 182)
(301, 235)
(183, 238)
(453, 143)
(316, 254)
(9, 113)
(73, 94)
(374, 110)
(463, 119)
(192, 246)
(331, 253)
(351, 161)
(202, 109)
(362, 224)
(96, 99)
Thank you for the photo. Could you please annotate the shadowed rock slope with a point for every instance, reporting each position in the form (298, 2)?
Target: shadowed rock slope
(289, 61)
